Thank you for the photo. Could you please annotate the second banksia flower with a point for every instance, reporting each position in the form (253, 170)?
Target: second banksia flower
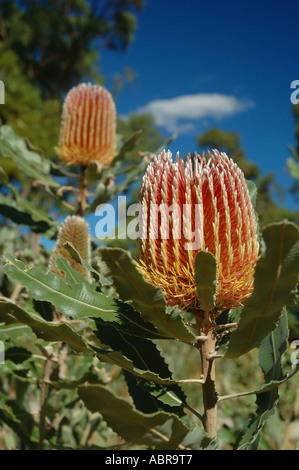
(88, 127)
(74, 230)
(198, 205)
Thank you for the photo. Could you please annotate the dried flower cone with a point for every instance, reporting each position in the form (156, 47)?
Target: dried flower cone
(76, 231)
(88, 127)
(211, 204)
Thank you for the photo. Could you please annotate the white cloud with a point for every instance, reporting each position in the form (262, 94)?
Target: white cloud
(180, 114)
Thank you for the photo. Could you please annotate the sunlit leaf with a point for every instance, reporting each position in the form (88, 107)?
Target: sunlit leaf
(206, 279)
(14, 147)
(11, 314)
(73, 301)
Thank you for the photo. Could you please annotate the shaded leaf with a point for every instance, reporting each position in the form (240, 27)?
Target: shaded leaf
(53, 332)
(272, 348)
(17, 355)
(21, 214)
(20, 421)
(163, 431)
(276, 277)
(144, 354)
(145, 298)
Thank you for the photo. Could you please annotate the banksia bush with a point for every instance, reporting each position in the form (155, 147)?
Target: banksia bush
(88, 127)
(186, 208)
(88, 364)
(74, 230)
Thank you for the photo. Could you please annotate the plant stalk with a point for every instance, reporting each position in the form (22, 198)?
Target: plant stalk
(43, 402)
(82, 201)
(206, 326)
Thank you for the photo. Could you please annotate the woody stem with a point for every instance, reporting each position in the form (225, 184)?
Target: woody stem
(82, 201)
(206, 327)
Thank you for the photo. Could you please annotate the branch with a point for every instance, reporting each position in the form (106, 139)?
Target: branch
(82, 203)
(43, 402)
(207, 328)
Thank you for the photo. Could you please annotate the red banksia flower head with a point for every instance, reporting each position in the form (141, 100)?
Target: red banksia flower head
(202, 204)
(88, 127)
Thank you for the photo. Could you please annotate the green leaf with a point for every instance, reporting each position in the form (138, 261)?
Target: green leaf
(276, 277)
(146, 299)
(252, 189)
(206, 279)
(78, 258)
(21, 214)
(76, 301)
(53, 332)
(272, 348)
(127, 146)
(20, 421)
(11, 314)
(71, 275)
(105, 194)
(20, 335)
(293, 167)
(3, 177)
(14, 147)
(126, 318)
(144, 354)
(163, 431)
(293, 315)
(132, 323)
(17, 355)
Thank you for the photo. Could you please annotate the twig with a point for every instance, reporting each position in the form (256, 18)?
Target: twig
(227, 325)
(82, 201)
(16, 292)
(244, 394)
(43, 402)
(191, 381)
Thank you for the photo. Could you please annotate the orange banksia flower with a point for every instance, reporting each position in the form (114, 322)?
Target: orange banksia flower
(74, 230)
(88, 127)
(198, 205)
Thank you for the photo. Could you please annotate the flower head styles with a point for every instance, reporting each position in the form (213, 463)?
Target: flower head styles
(198, 205)
(74, 230)
(88, 127)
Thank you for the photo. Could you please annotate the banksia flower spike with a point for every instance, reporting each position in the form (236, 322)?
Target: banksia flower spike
(198, 205)
(88, 127)
(74, 230)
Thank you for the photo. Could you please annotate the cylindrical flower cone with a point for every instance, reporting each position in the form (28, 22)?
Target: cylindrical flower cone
(198, 205)
(88, 126)
(74, 230)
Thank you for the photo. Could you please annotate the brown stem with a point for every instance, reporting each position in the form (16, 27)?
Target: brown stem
(43, 402)
(82, 202)
(206, 327)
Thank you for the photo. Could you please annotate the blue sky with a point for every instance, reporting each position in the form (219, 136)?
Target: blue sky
(227, 64)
